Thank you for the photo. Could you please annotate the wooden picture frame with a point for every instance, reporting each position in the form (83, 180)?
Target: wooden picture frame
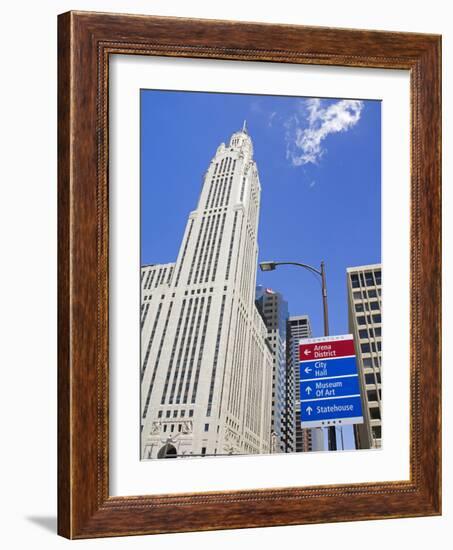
(85, 42)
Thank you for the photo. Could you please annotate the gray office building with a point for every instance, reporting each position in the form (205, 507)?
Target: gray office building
(299, 327)
(274, 310)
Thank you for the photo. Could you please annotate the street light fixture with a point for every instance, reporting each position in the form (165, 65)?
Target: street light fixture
(268, 266)
(271, 266)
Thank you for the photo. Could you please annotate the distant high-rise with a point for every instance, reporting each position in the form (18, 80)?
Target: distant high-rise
(274, 310)
(365, 304)
(305, 439)
(206, 369)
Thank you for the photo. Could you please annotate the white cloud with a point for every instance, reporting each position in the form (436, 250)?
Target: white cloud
(271, 118)
(304, 137)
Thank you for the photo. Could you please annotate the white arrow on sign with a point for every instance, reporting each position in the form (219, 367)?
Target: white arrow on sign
(307, 370)
(307, 352)
(308, 390)
(309, 410)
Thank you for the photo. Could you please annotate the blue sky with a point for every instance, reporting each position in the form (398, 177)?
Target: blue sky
(320, 169)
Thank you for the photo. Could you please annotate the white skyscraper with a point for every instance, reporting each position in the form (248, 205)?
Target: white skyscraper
(206, 372)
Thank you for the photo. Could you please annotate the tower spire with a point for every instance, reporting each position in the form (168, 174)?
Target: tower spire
(244, 127)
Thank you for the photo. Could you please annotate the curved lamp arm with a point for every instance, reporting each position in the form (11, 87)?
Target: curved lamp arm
(270, 266)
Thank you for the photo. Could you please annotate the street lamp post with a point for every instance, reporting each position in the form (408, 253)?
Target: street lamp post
(271, 266)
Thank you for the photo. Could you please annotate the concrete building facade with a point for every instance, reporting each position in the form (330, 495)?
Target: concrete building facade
(364, 285)
(206, 368)
(305, 440)
(274, 310)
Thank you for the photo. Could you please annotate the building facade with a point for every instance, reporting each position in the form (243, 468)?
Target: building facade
(274, 310)
(206, 368)
(365, 323)
(305, 439)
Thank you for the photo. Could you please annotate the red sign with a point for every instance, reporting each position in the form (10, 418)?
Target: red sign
(325, 349)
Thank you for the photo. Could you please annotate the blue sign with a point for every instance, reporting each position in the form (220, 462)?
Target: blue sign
(329, 382)
(331, 409)
(329, 387)
(327, 367)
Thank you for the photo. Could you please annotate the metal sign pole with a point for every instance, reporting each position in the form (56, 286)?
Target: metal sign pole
(331, 433)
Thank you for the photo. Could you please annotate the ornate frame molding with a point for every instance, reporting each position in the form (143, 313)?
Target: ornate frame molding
(86, 40)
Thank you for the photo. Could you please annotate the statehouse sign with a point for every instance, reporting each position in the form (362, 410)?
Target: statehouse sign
(329, 382)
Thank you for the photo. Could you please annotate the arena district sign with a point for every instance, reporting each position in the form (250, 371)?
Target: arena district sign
(329, 382)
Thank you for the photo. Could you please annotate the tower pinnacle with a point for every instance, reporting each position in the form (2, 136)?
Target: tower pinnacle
(244, 127)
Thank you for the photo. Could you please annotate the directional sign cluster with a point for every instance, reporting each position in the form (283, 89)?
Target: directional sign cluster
(329, 382)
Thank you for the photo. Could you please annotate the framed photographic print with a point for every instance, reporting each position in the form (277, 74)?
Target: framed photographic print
(249, 275)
